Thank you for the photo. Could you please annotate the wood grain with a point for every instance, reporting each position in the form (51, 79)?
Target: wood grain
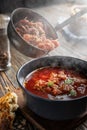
(67, 48)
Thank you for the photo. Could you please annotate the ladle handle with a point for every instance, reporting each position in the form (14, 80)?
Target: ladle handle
(71, 19)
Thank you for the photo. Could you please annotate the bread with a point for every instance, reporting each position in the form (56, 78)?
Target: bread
(8, 106)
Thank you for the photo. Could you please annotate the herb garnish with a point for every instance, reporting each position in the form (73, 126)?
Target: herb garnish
(73, 92)
(50, 84)
(69, 81)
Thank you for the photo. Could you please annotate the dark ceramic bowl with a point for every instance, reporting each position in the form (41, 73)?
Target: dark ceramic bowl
(19, 43)
(51, 109)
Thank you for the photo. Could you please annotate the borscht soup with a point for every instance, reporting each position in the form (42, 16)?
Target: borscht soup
(56, 83)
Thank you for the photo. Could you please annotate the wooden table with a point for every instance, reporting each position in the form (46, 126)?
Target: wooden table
(67, 48)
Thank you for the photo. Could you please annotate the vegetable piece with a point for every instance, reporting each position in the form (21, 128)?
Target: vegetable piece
(69, 81)
(50, 83)
(73, 92)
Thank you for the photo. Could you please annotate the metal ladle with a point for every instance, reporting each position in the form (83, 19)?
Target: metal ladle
(71, 19)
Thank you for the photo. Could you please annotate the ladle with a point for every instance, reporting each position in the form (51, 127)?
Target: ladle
(71, 19)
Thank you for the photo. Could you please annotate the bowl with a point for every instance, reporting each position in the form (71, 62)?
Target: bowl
(53, 109)
(19, 43)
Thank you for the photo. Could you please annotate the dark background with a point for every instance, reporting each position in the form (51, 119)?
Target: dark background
(9, 5)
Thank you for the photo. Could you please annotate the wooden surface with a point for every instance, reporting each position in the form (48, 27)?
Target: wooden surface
(67, 48)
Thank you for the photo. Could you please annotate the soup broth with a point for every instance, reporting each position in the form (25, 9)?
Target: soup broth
(56, 83)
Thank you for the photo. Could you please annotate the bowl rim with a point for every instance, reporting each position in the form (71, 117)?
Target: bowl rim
(39, 97)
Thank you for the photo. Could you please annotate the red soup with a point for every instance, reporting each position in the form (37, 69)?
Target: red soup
(56, 83)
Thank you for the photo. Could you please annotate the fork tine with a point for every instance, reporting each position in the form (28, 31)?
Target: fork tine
(4, 91)
(7, 85)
